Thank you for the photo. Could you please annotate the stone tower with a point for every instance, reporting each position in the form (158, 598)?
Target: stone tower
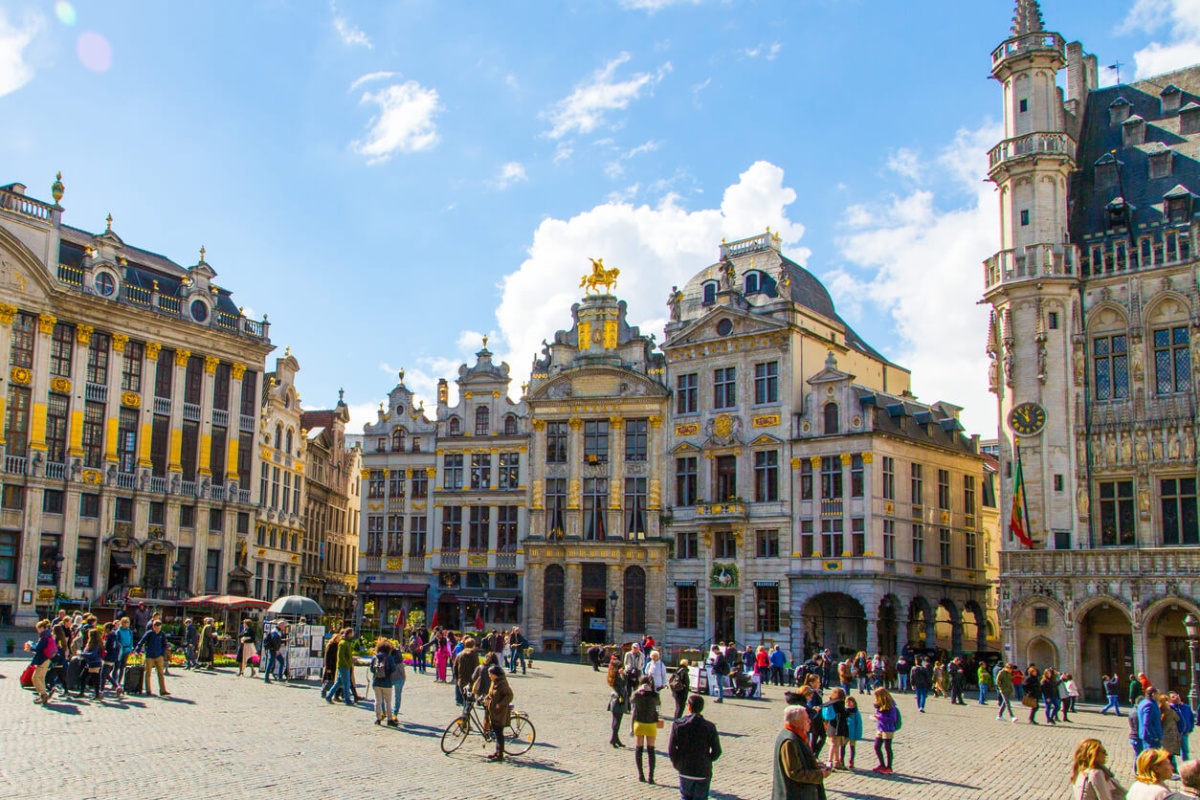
(1032, 281)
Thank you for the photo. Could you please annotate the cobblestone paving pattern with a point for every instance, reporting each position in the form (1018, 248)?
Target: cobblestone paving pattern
(219, 736)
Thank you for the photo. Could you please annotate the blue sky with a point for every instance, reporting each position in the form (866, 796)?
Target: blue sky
(390, 181)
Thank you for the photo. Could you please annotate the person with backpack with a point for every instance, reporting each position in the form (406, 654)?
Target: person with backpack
(43, 650)
(273, 644)
(1004, 690)
(680, 684)
(920, 680)
(1111, 685)
(693, 747)
(93, 656)
(382, 665)
(154, 644)
(112, 652)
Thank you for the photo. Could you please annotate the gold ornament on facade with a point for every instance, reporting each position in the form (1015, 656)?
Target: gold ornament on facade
(575, 422)
(119, 340)
(723, 426)
(152, 350)
(60, 385)
(57, 188)
(20, 375)
(615, 422)
(847, 459)
(765, 421)
(91, 476)
(795, 463)
(238, 370)
(539, 424)
(687, 429)
(181, 357)
(365, 474)
(598, 277)
(83, 333)
(210, 364)
(46, 323)
(131, 399)
(7, 313)
(655, 422)
(430, 472)
(868, 457)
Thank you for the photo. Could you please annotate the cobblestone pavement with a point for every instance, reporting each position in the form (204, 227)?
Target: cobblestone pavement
(220, 736)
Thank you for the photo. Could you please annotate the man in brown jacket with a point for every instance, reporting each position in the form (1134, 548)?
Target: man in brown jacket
(464, 669)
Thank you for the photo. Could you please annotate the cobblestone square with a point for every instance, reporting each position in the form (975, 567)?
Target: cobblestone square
(223, 736)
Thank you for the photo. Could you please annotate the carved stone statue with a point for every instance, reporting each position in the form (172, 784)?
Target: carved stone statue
(674, 302)
(1188, 448)
(241, 552)
(1009, 366)
(1175, 447)
(1142, 450)
(993, 373)
(1126, 451)
(728, 276)
(1110, 450)
(1157, 449)
(1079, 366)
(1081, 501)
(1041, 360)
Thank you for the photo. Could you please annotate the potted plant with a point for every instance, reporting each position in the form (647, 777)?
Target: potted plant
(10, 645)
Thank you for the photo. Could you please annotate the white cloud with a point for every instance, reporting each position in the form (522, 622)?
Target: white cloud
(616, 168)
(905, 162)
(1181, 21)
(585, 109)
(404, 123)
(346, 31)
(15, 72)
(510, 173)
(767, 51)
(655, 5)
(371, 76)
(920, 265)
(655, 247)
(360, 415)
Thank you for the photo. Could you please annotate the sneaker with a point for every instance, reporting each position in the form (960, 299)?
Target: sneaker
(886, 770)
(1014, 719)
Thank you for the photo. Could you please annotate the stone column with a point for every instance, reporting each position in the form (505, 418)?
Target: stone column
(234, 431)
(872, 635)
(204, 445)
(614, 580)
(79, 359)
(112, 410)
(956, 633)
(1141, 648)
(178, 391)
(39, 387)
(931, 629)
(573, 582)
(615, 517)
(146, 434)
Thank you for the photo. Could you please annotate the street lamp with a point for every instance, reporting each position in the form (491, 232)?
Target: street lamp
(1191, 626)
(58, 562)
(613, 597)
(176, 570)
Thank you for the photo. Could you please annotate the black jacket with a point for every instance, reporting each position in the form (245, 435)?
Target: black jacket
(694, 746)
(645, 705)
(919, 677)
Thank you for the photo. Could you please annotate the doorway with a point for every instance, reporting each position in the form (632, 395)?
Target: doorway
(593, 617)
(724, 618)
(1116, 654)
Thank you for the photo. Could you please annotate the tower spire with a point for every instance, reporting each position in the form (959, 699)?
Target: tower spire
(1027, 17)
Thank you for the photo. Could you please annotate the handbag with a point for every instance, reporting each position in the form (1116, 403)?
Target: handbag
(1029, 701)
(660, 722)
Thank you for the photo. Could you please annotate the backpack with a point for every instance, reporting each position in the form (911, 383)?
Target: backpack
(273, 641)
(51, 647)
(677, 682)
(397, 675)
(380, 669)
(899, 719)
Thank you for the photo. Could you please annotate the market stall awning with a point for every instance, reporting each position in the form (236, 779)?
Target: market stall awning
(231, 602)
(202, 600)
(123, 559)
(394, 589)
(494, 595)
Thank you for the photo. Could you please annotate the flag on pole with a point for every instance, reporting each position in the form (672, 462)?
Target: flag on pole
(1018, 523)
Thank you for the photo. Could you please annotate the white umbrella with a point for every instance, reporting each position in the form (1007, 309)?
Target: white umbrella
(294, 605)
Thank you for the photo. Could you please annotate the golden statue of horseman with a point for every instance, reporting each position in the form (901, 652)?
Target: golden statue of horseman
(599, 277)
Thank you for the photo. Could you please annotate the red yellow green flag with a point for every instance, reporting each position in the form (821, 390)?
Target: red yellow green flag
(1019, 520)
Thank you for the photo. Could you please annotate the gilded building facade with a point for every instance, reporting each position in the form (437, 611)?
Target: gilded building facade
(596, 555)
(396, 574)
(480, 508)
(1094, 342)
(130, 418)
(333, 485)
(784, 446)
(280, 488)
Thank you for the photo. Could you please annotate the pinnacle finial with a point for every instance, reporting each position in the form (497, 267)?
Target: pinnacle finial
(202, 251)
(402, 375)
(341, 395)
(485, 338)
(108, 219)
(57, 188)
(1027, 17)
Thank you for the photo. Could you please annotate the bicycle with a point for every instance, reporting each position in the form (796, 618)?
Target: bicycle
(519, 733)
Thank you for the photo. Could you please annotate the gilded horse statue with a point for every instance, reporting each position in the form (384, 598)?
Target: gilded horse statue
(599, 277)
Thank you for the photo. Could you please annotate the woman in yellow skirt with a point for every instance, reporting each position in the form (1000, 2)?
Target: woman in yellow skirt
(645, 723)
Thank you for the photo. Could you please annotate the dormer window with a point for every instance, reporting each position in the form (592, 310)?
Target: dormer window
(1189, 119)
(1177, 205)
(398, 440)
(754, 282)
(710, 293)
(1119, 111)
(1161, 162)
(105, 284)
(1117, 213)
(455, 426)
(1170, 98)
(1133, 131)
(1107, 171)
(510, 425)
(831, 418)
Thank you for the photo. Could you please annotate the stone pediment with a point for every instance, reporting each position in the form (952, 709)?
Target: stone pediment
(684, 448)
(766, 440)
(597, 381)
(21, 272)
(830, 374)
(709, 327)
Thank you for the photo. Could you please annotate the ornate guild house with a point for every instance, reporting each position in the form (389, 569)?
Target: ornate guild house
(1094, 340)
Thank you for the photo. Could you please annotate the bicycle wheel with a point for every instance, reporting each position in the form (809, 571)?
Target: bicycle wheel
(456, 733)
(519, 735)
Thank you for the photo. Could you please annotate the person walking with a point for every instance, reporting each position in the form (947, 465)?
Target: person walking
(1170, 730)
(112, 653)
(797, 775)
(693, 747)
(645, 702)
(465, 664)
(635, 660)
(1187, 724)
(656, 670)
(887, 721)
(1136, 690)
(43, 650)
(1149, 721)
(1111, 687)
(154, 644)
(345, 667)
(941, 683)
(517, 642)
(398, 676)
(984, 679)
(272, 644)
(382, 665)
(862, 671)
(1153, 770)
(618, 701)
(680, 684)
(246, 651)
(125, 635)
(498, 705)
(191, 638)
(903, 670)
(1032, 693)
(1004, 690)
(920, 679)
(205, 651)
(441, 656)
(1050, 699)
(1091, 779)
(1068, 691)
(958, 681)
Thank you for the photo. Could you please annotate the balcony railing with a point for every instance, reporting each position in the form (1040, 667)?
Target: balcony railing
(217, 493)
(506, 560)
(14, 465)
(56, 472)
(25, 206)
(415, 563)
(162, 406)
(95, 392)
(1031, 144)
(246, 423)
(1035, 261)
(1037, 40)
(126, 480)
(220, 418)
(187, 488)
(732, 508)
(1101, 562)
(121, 592)
(158, 485)
(191, 412)
(449, 558)
(831, 507)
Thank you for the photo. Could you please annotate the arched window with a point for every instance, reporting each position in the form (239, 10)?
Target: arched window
(831, 418)
(553, 598)
(288, 449)
(455, 426)
(483, 418)
(510, 425)
(753, 282)
(710, 293)
(278, 437)
(398, 440)
(635, 600)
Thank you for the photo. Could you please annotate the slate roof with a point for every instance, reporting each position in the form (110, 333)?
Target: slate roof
(1089, 196)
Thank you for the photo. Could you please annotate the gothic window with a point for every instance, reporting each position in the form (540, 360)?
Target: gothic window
(278, 437)
(288, 440)
(1117, 527)
(482, 420)
(1110, 365)
(831, 418)
(1172, 360)
(1179, 511)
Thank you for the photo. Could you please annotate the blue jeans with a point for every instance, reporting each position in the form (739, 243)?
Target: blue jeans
(1114, 702)
(346, 680)
(692, 789)
(982, 694)
(922, 694)
(903, 682)
(1053, 704)
(397, 691)
(862, 684)
(1184, 748)
(273, 659)
(517, 652)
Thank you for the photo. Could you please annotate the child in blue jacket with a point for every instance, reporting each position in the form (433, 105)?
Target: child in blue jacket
(854, 724)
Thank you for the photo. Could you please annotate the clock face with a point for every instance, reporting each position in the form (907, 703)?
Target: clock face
(1027, 419)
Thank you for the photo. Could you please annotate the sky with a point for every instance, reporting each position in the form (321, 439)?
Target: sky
(389, 182)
